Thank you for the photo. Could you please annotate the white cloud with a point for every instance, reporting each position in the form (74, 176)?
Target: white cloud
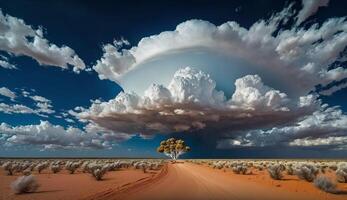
(69, 120)
(43, 106)
(298, 55)
(48, 136)
(17, 38)
(333, 89)
(191, 102)
(16, 109)
(326, 126)
(7, 93)
(5, 64)
(309, 7)
(252, 93)
(336, 142)
(40, 99)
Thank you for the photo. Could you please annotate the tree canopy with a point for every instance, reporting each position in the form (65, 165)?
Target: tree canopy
(173, 148)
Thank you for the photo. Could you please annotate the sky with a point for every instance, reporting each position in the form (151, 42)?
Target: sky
(234, 79)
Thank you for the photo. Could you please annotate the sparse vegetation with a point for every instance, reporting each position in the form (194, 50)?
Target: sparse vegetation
(25, 184)
(55, 168)
(42, 166)
(275, 171)
(320, 173)
(307, 172)
(7, 166)
(341, 173)
(325, 184)
(240, 169)
(72, 166)
(99, 173)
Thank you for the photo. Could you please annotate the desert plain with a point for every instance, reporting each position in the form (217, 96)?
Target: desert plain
(182, 179)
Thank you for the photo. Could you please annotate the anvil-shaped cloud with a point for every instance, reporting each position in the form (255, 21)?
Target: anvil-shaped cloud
(254, 86)
(191, 102)
(291, 58)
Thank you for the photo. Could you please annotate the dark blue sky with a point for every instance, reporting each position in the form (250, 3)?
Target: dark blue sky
(86, 25)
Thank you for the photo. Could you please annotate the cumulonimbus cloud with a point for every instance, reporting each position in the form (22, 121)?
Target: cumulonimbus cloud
(255, 115)
(303, 53)
(17, 38)
(191, 102)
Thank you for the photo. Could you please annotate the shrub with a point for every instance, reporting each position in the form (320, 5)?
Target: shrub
(98, 174)
(22, 167)
(25, 184)
(275, 171)
(240, 169)
(72, 166)
(260, 167)
(55, 168)
(325, 184)
(323, 169)
(290, 170)
(26, 172)
(154, 166)
(218, 165)
(141, 165)
(7, 166)
(341, 173)
(333, 167)
(41, 166)
(85, 167)
(31, 167)
(307, 172)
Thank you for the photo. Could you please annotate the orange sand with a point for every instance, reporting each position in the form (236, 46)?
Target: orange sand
(191, 181)
(65, 186)
(175, 181)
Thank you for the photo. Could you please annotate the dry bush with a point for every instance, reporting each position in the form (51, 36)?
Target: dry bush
(98, 170)
(325, 184)
(84, 167)
(55, 168)
(154, 166)
(41, 166)
(99, 173)
(218, 164)
(275, 171)
(341, 173)
(240, 169)
(26, 172)
(307, 172)
(72, 166)
(141, 165)
(7, 166)
(25, 184)
(290, 170)
(333, 167)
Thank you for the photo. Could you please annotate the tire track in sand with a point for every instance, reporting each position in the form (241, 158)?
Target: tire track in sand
(122, 191)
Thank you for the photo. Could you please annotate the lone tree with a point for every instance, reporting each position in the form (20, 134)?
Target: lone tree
(173, 148)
